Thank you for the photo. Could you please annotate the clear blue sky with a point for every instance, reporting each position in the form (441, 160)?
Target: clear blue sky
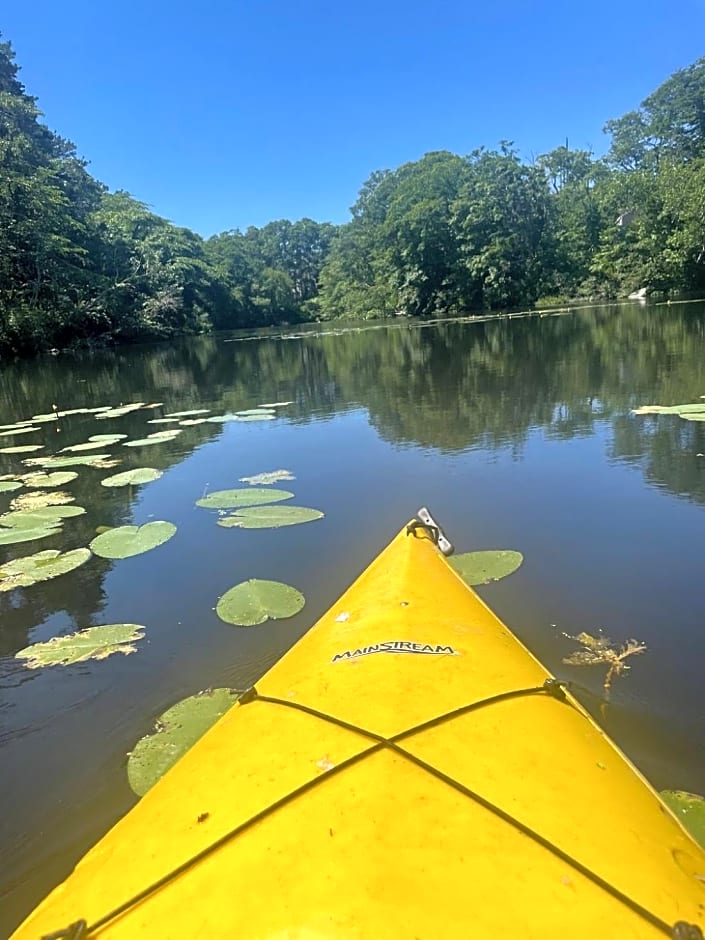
(227, 113)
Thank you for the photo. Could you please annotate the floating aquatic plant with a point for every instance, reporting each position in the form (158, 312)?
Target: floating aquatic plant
(188, 414)
(269, 517)
(166, 435)
(57, 463)
(14, 536)
(128, 540)
(120, 411)
(176, 731)
(237, 499)
(7, 486)
(41, 479)
(14, 426)
(690, 810)
(157, 438)
(682, 410)
(143, 442)
(132, 477)
(483, 567)
(18, 430)
(41, 499)
(256, 601)
(108, 438)
(21, 449)
(91, 643)
(266, 479)
(87, 445)
(261, 416)
(601, 650)
(222, 419)
(39, 518)
(24, 572)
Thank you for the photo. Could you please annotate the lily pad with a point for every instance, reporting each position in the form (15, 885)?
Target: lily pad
(177, 730)
(222, 419)
(483, 567)
(690, 809)
(21, 449)
(39, 518)
(56, 463)
(276, 404)
(166, 435)
(15, 426)
(696, 408)
(262, 416)
(266, 479)
(122, 410)
(668, 409)
(132, 477)
(41, 479)
(254, 411)
(144, 442)
(256, 601)
(269, 517)
(163, 421)
(237, 499)
(41, 499)
(128, 540)
(158, 438)
(88, 445)
(13, 536)
(192, 422)
(21, 430)
(92, 643)
(23, 572)
(188, 414)
(103, 440)
(6, 486)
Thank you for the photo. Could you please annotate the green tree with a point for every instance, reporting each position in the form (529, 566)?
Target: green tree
(669, 124)
(576, 215)
(503, 220)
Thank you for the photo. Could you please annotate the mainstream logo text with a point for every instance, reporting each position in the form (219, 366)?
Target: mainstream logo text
(398, 646)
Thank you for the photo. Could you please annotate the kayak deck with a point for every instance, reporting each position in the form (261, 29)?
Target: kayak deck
(403, 770)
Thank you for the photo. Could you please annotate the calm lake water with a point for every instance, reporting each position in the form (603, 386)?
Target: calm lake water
(516, 432)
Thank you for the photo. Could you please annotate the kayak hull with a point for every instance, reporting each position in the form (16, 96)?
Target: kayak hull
(402, 770)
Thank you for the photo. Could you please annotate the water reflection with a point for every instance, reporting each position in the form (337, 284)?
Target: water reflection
(449, 387)
(518, 433)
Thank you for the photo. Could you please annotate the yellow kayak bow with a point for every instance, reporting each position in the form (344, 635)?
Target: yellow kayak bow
(407, 770)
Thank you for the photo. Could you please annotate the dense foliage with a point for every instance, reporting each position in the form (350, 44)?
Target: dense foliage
(78, 263)
(444, 234)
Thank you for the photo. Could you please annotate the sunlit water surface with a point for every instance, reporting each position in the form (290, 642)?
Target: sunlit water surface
(516, 432)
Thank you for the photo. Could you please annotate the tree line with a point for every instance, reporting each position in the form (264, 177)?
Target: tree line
(441, 235)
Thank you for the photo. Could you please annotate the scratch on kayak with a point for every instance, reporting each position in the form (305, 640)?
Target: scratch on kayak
(325, 763)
